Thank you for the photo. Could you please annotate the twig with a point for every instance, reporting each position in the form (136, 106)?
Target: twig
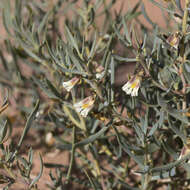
(184, 30)
(72, 154)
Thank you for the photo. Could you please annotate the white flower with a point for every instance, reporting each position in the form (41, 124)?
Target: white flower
(100, 72)
(84, 106)
(70, 84)
(99, 75)
(132, 86)
(174, 39)
(185, 150)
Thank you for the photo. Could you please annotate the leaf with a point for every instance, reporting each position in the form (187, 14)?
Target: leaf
(178, 114)
(153, 148)
(161, 7)
(137, 159)
(24, 162)
(92, 138)
(128, 187)
(146, 16)
(90, 180)
(156, 40)
(144, 123)
(7, 22)
(112, 78)
(139, 133)
(165, 77)
(30, 156)
(53, 165)
(178, 3)
(186, 71)
(18, 8)
(43, 23)
(63, 67)
(76, 60)
(128, 60)
(39, 175)
(170, 151)
(71, 39)
(93, 48)
(171, 165)
(134, 13)
(52, 88)
(4, 62)
(125, 147)
(106, 62)
(163, 175)
(64, 146)
(126, 32)
(47, 88)
(28, 124)
(84, 142)
(120, 37)
(176, 130)
(4, 107)
(91, 16)
(31, 54)
(157, 124)
(3, 131)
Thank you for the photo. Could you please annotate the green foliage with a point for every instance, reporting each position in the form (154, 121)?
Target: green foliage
(125, 136)
(10, 157)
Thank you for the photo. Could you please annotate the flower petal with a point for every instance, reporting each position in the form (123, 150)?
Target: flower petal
(132, 86)
(70, 84)
(84, 106)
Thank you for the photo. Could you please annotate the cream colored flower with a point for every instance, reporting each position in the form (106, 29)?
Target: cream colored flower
(174, 39)
(132, 86)
(100, 72)
(70, 84)
(84, 106)
(185, 150)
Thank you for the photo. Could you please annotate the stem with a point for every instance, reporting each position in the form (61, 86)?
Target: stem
(153, 81)
(90, 180)
(184, 23)
(147, 176)
(184, 30)
(82, 123)
(72, 154)
(68, 113)
(9, 172)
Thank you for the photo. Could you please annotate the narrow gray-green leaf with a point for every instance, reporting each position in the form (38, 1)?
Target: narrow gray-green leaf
(29, 123)
(43, 22)
(128, 60)
(161, 7)
(43, 85)
(171, 111)
(39, 175)
(176, 130)
(71, 39)
(146, 16)
(3, 131)
(92, 138)
(112, 68)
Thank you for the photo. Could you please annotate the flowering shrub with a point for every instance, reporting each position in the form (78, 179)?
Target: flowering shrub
(134, 135)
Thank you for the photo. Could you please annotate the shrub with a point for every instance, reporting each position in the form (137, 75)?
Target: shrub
(132, 134)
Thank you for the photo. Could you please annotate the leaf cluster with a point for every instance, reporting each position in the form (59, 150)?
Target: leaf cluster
(125, 142)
